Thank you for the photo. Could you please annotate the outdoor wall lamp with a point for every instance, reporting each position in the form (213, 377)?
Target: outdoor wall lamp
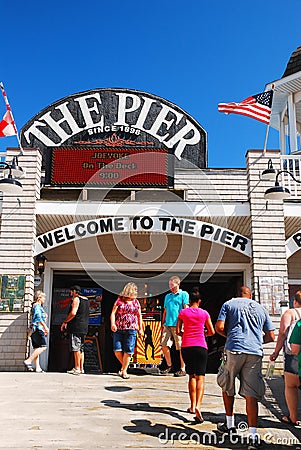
(270, 173)
(279, 192)
(9, 185)
(16, 170)
(41, 259)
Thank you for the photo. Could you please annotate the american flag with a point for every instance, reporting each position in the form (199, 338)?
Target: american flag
(257, 106)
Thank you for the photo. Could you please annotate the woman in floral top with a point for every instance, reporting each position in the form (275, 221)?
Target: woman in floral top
(126, 320)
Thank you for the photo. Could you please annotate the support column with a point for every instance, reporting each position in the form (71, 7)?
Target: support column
(292, 123)
(17, 237)
(267, 223)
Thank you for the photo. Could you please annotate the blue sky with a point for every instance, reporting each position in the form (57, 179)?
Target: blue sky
(195, 54)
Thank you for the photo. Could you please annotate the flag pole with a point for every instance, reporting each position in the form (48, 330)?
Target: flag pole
(8, 108)
(266, 138)
(267, 130)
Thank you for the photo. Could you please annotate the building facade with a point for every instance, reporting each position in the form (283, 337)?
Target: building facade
(117, 189)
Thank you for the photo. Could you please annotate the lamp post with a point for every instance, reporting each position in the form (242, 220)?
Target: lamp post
(9, 185)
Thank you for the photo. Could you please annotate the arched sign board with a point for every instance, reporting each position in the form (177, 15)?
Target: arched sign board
(168, 225)
(115, 119)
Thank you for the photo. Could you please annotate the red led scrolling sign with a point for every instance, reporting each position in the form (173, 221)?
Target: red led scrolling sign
(102, 167)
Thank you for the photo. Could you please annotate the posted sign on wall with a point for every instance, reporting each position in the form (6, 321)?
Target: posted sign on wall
(102, 167)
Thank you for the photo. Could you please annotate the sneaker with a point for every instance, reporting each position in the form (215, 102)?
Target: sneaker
(167, 370)
(254, 443)
(223, 429)
(74, 372)
(180, 373)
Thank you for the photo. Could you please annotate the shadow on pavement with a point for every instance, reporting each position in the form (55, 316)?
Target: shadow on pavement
(274, 400)
(184, 434)
(145, 407)
(190, 431)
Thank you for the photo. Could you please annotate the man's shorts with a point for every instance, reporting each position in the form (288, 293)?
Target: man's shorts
(248, 368)
(291, 364)
(124, 341)
(77, 342)
(169, 336)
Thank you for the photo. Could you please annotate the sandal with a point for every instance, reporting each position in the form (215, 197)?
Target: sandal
(288, 421)
(28, 366)
(125, 376)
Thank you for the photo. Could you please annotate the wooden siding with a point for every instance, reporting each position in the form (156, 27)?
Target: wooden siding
(213, 185)
(267, 224)
(18, 228)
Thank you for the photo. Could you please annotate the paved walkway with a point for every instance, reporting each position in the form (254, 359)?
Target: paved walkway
(61, 411)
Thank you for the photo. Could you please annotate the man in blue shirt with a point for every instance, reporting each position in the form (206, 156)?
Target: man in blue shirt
(246, 325)
(174, 301)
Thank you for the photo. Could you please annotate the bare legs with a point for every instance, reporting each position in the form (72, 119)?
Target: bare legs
(228, 403)
(182, 362)
(124, 359)
(196, 385)
(77, 361)
(252, 411)
(291, 384)
(166, 353)
(251, 408)
(82, 360)
(35, 358)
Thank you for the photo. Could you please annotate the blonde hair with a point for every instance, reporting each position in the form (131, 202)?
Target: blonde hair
(175, 278)
(129, 291)
(38, 295)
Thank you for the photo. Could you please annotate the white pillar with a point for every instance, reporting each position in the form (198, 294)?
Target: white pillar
(17, 237)
(282, 134)
(292, 124)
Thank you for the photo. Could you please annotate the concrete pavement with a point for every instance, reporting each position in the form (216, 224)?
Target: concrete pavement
(67, 412)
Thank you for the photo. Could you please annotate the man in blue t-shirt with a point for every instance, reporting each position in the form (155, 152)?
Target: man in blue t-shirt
(174, 301)
(246, 326)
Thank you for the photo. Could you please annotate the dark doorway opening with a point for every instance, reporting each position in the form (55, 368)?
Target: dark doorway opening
(218, 289)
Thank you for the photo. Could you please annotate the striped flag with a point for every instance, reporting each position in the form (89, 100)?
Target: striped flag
(7, 124)
(257, 106)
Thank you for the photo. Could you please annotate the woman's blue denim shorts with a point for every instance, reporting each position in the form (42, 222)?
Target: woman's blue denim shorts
(291, 363)
(124, 341)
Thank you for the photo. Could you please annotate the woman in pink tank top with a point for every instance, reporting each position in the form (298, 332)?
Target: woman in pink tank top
(194, 324)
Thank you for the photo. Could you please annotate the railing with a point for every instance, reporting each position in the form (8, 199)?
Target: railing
(292, 163)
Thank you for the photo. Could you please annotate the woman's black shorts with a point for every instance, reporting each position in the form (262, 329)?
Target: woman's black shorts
(38, 339)
(195, 359)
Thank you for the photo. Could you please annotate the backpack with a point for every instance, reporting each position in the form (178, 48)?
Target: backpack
(287, 345)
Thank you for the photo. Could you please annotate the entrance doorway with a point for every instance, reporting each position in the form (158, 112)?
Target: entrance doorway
(218, 289)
